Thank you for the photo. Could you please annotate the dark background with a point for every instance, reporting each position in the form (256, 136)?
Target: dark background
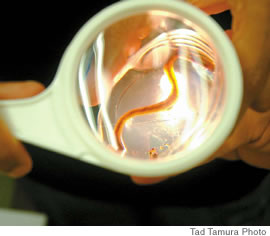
(32, 40)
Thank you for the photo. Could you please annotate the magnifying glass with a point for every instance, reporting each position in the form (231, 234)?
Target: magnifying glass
(145, 88)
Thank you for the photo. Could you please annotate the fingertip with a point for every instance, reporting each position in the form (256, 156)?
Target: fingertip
(24, 166)
(17, 162)
(34, 87)
(21, 171)
(147, 180)
(17, 90)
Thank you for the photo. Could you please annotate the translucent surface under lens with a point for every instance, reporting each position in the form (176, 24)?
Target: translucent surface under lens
(152, 86)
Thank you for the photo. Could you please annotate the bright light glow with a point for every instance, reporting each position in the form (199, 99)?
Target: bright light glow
(102, 88)
(183, 111)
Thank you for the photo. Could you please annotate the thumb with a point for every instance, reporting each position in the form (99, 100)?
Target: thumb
(14, 159)
(15, 90)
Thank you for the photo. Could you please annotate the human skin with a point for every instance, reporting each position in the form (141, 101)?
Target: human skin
(14, 159)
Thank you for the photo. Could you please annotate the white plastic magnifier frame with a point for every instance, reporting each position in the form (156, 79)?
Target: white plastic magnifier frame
(54, 119)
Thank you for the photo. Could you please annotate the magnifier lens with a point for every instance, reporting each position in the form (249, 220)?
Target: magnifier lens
(151, 86)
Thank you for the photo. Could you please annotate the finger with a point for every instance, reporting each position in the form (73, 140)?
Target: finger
(251, 35)
(257, 153)
(16, 90)
(147, 180)
(14, 160)
(248, 130)
(122, 39)
(211, 6)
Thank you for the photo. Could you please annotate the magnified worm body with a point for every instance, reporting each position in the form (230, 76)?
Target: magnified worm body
(161, 106)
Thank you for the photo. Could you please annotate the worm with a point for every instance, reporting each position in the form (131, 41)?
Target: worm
(161, 106)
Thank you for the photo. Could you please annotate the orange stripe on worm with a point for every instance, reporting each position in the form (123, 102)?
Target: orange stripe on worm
(161, 106)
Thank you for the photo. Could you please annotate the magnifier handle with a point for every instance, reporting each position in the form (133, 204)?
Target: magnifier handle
(33, 121)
